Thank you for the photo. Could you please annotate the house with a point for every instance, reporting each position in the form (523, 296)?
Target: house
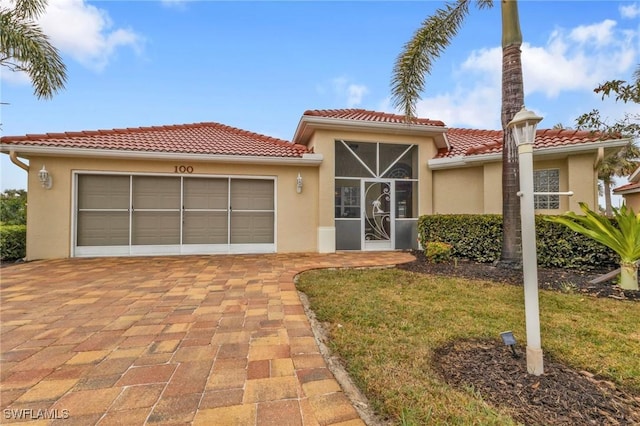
(631, 191)
(350, 179)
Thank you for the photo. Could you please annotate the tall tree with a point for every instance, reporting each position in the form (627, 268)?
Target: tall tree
(416, 61)
(24, 47)
(625, 160)
(617, 164)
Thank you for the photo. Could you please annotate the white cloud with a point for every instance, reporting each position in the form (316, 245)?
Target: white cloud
(630, 11)
(85, 32)
(345, 91)
(355, 94)
(572, 61)
(600, 34)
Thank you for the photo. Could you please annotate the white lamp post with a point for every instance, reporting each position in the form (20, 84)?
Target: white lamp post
(523, 127)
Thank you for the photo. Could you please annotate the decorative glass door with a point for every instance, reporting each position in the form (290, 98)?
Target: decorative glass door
(377, 215)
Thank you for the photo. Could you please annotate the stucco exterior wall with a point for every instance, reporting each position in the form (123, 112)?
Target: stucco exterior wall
(478, 190)
(583, 181)
(458, 191)
(633, 201)
(50, 214)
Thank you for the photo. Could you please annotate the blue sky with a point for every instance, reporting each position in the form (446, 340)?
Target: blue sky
(259, 65)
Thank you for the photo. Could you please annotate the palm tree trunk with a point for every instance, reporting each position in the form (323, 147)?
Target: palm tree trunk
(629, 276)
(512, 101)
(606, 183)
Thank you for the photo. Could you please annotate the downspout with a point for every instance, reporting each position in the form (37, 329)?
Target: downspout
(15, 160)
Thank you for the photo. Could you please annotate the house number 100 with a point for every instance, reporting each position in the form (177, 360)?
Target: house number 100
(183, 169)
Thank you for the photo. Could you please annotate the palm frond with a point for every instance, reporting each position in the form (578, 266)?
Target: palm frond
(24, 46)
(418, 55)
(29, 9)
(623, 239)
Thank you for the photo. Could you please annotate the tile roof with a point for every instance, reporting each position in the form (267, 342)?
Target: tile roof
(197, 138)
(467, 142)
(366, 115)
(627, 187)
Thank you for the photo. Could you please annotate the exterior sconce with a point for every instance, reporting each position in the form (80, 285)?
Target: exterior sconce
(299, 184)
(45, 178)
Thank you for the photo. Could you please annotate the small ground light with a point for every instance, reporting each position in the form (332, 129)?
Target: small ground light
(509, 340)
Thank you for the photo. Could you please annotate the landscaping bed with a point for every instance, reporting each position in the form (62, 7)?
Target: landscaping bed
(562, 395)
(565, 280)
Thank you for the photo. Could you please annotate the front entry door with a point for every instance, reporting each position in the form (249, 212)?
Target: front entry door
(377, 215)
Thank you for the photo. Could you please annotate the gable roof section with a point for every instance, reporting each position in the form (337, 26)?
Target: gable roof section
(467, 142)
(372, 116)
(469, 146)
(371, 121)
(632, 187)
(198, 138)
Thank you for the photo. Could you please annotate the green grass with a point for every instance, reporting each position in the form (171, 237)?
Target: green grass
(386, 323)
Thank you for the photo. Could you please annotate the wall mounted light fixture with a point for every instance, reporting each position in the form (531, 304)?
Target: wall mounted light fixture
(45, 178)
(299, 184)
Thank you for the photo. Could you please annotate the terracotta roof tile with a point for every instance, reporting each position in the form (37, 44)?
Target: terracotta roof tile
(366, 115)
(467, 142)
(197, 138)
(627, 187)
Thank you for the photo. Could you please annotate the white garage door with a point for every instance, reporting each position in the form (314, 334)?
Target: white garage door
(130, 214)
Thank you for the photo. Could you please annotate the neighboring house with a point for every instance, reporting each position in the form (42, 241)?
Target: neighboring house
(631, 191)
(350, 180)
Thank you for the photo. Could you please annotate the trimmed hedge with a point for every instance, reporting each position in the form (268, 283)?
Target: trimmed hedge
(479, 238)
(13, 242)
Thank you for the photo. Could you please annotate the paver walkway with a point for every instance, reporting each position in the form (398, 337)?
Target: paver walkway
(211, 340)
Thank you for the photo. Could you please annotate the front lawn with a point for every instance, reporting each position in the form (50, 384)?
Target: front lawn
(387, 324)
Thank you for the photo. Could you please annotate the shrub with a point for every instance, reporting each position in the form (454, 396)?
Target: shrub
(13, 242)
(438, 252)
(13, 207)
(479, 238)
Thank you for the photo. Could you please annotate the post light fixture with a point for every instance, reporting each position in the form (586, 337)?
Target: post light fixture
(299, 184)
(523, 126)
(45, 178)
(509, 340)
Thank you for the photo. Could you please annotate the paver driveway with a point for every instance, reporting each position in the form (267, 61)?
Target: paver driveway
(215, 340)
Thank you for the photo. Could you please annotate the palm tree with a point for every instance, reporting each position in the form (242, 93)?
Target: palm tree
(620, 163)
(24, 47)
(624, 238)
(416, 60)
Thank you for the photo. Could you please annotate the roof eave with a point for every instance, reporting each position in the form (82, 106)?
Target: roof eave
(626, 191)
(473, 160)
(307, 159)
(309, 124)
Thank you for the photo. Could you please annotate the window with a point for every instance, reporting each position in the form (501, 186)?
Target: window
(546, 181)
(347, 196)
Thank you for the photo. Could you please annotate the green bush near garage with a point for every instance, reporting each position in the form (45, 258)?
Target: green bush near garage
(13, 242)
(479, 238)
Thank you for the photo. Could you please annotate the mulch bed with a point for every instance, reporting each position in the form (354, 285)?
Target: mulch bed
(560, 396)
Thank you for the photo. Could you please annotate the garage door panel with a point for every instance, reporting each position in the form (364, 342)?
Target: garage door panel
(203, 193)
(252, 194)
(103, 192)
(152, 192)
(103, 228)
(155, 228)
(252, 227)
(205, 228)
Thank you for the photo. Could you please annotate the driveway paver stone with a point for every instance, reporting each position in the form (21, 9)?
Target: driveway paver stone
(211, 340)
